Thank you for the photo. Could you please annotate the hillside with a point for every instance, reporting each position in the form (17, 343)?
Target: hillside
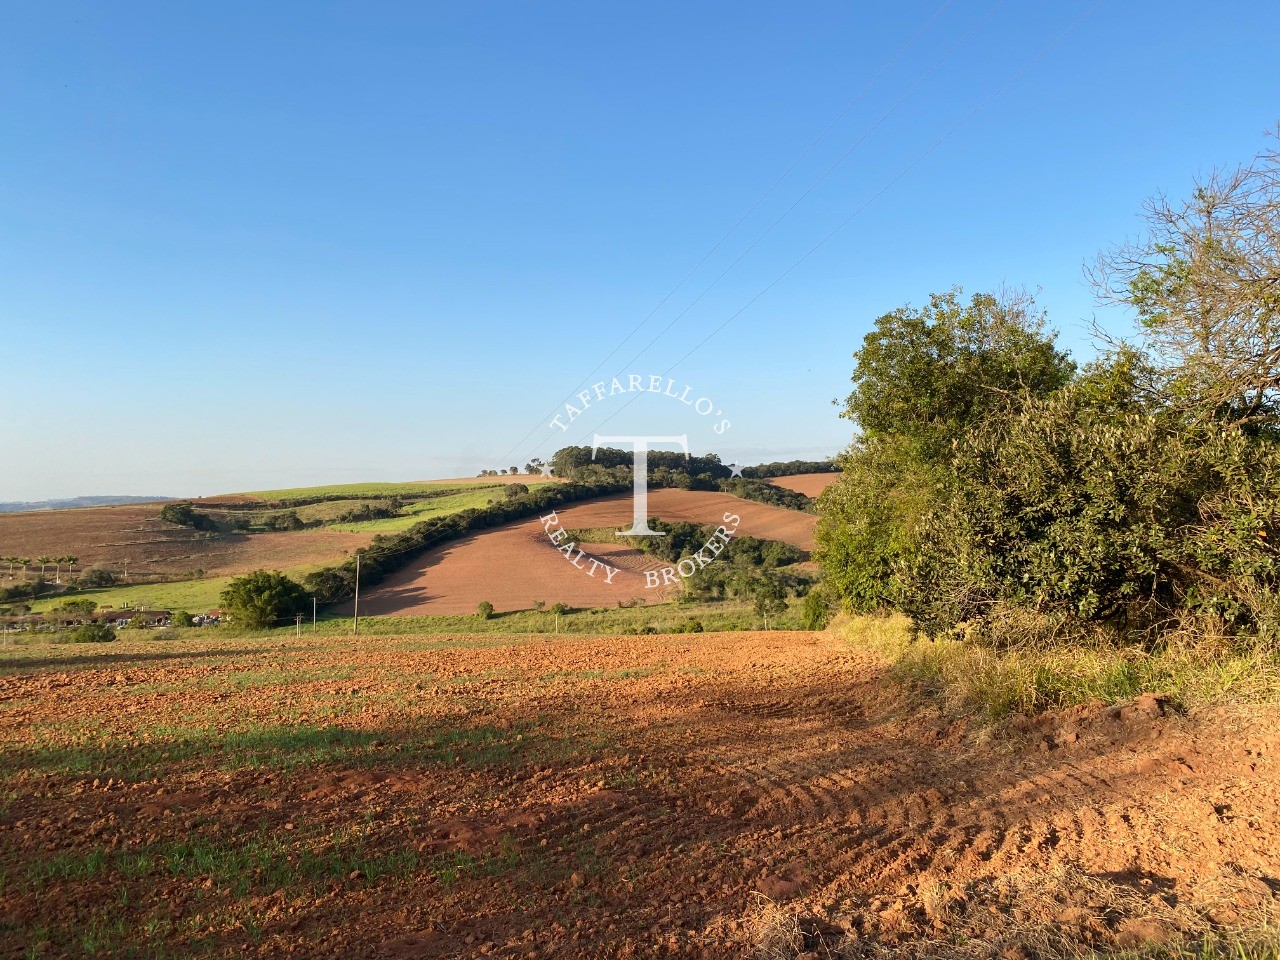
(810, 484)
(515, 566)
(159, 563)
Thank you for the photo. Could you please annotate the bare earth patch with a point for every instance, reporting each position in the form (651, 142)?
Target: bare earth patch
(810, 484)
(719, 795)
(514, 566)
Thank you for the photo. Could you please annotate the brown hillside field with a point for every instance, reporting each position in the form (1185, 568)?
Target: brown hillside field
(810, 484)
(719, 796)
(514, 566)
(135, 537)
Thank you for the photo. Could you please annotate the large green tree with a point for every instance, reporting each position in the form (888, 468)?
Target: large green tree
(922, 378)
(264, 599)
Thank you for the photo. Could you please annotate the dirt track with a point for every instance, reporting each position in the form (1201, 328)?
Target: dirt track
(612, 797)
(514, 566)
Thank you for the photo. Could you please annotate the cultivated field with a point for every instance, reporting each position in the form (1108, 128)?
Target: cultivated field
(135, 539)
(810, 484)
(721, 795)
(514, 566)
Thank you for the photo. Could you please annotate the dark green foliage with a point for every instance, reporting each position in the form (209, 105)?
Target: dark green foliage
(97, 577)
(928, 375)
(184, 515)
(923, 379)
(484, 610)
(790, 468)
(764, 492)
(90, 633)
(514, 490)
(1083, 509)
(75, 608)
(263, 599)
(370, 511)
(280, 522)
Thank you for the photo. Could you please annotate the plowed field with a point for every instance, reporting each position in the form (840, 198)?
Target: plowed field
(810, 484)
(708, 796)
(514, 566)
(135, 538)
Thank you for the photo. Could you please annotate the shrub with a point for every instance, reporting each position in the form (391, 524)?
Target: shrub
(484, 610)
(181, 618)
(184, 515)
(1129, 519)
(90, 633)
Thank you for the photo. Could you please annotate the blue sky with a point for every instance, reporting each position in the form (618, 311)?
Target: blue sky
(246, 245)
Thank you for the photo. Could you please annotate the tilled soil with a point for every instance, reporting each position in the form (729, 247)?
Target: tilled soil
(721, 795)
(134, 538)
(515, 566)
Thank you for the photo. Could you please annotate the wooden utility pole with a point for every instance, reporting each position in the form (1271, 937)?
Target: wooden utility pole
(299, 625)
(313, 614)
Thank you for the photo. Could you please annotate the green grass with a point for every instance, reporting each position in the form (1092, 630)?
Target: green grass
(419, 510)
(274, 747)
(971, 677)
(600, 621)
(194, 596)
(415, 488)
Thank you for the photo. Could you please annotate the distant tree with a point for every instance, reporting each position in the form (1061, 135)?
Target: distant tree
(484, 610)
(516, 490)
(184, 515)
(24, 562)
(97, 577)
(514, 471)
(180, 618)
(44, 562)
(263, 598)
(12, 562)
(77, 608)
(770, 599)
(71, 565)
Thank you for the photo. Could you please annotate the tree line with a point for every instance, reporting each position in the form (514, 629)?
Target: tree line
(992, 482)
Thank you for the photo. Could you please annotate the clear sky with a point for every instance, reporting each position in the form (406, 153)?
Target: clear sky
(248, 245)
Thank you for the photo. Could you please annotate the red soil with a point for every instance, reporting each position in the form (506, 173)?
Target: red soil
(514, 566)
(135, 537)
(810, 484)
(718, 796)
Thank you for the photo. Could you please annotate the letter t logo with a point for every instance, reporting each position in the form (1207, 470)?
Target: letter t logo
(640, 477)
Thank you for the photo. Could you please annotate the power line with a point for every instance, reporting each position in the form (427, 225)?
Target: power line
(733, 229)
(875, 196)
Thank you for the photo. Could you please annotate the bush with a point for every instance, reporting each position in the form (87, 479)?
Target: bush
(90, 633)
(484, 610)
(263, 599)
(1073, 509)
(184, 515)
(181, 618)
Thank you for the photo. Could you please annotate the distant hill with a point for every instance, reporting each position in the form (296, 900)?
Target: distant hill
(73, 502)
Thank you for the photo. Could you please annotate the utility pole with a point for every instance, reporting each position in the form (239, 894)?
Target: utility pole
(355, 614)
(299, 625)
(313, 614)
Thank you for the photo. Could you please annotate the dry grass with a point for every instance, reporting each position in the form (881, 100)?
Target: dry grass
(1047, 916)
(1041, 673)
